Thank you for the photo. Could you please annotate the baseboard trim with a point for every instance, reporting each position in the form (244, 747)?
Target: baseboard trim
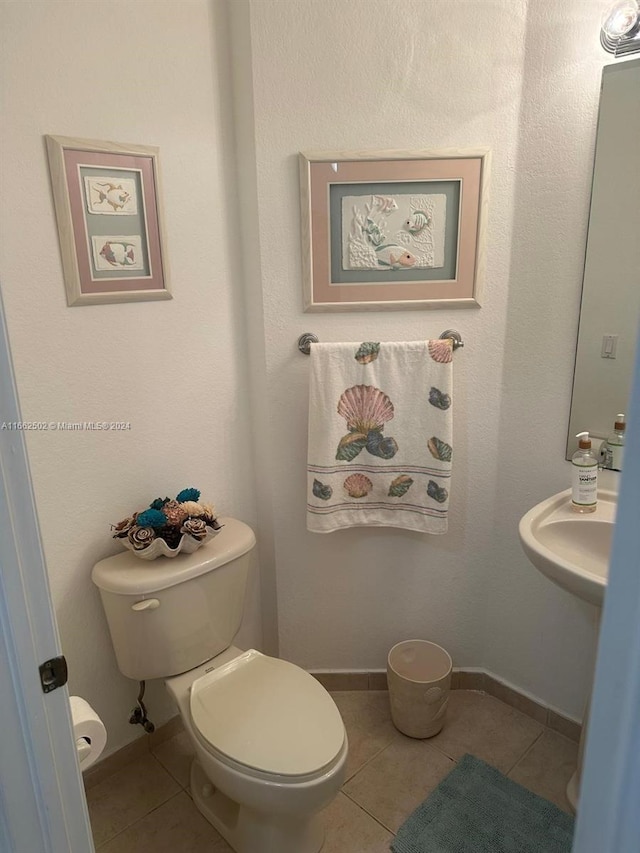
(463, 679)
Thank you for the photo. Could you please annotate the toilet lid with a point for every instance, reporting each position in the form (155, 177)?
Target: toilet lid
(267, 714)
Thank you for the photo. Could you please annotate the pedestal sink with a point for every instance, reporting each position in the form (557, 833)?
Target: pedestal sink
(572, 549)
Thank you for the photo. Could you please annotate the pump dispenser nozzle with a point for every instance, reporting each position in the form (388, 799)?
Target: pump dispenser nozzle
(583, 440)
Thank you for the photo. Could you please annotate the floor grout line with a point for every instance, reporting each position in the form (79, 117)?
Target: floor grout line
(137, 820)
(525, 753)
(371, 733)
(367, 812)
(369, 760)
(173, 775)
(442, 752)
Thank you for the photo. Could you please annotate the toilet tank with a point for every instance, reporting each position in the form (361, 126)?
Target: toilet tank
(169, 615)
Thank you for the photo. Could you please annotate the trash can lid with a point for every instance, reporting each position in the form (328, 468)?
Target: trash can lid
(419, 660)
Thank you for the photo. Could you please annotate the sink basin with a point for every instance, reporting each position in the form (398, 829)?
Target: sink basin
(572, 549)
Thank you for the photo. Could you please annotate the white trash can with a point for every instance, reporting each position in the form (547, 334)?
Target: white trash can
(419, 678)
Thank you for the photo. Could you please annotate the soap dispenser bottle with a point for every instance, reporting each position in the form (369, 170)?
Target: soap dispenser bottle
(584, 489)
(615, 444)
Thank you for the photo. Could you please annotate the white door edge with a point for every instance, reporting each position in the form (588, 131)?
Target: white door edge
(608, 813)
(42, 803)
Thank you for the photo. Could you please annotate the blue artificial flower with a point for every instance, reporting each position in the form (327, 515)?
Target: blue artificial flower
(188, 495)
(159, 503)
(151, 518)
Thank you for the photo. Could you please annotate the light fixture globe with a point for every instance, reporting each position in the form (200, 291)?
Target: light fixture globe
(620, 30)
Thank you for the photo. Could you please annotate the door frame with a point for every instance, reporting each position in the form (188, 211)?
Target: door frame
(42, 804)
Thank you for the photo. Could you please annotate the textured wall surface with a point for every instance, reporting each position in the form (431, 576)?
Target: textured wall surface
(538, 636)
(144, 73)
(521, 78)
(427, 74)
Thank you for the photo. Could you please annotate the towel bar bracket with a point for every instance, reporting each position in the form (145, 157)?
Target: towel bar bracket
(305, 340)
(456, 337)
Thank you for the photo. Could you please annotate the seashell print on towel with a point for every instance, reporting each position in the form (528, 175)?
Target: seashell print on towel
(441, 350)
(438, 399)
(358, 486)
(321, 491)
(439, 449)
(366, 410)
(400, 486)
(378, 445)
(367, 352)
(438, 493)
(350, 445)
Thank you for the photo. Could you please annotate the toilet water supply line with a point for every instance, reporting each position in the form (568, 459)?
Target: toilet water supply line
(139, 714)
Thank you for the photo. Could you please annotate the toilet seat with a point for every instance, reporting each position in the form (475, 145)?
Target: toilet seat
(268, 715)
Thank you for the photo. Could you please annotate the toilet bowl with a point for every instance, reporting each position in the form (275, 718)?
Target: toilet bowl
(270, 748)
(269, 741)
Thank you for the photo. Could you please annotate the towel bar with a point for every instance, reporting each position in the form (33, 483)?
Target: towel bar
(305, 340)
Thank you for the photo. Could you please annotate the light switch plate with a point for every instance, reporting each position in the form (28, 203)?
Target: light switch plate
(609, 346)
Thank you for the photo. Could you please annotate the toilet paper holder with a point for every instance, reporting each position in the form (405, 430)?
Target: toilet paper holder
(83, 748)
(89, 732)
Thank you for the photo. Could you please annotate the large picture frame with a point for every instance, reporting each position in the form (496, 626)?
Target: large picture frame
(393, 229)
(108, 210)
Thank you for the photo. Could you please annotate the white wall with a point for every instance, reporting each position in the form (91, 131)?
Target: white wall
(311, 75)
(537, 636)
(372, 74)
(148, 73)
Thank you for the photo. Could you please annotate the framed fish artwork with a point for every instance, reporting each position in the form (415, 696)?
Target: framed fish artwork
(109, 214)
(393, 229)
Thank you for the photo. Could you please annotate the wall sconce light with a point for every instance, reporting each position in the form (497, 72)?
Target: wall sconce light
(620, 31)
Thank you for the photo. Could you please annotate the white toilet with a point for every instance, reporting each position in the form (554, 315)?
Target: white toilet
(270, 744)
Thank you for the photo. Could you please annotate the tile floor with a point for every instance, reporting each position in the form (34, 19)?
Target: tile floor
(145, 807)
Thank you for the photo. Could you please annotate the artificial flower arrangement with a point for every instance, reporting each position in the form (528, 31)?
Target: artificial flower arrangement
(168, 526)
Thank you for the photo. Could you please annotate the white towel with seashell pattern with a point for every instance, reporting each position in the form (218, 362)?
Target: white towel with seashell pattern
(380, 435)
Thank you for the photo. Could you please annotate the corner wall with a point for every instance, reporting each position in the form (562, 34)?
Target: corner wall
(148, 73)
(536, 635)
(426, 74)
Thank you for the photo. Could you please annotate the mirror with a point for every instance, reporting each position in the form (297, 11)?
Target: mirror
(610, 307)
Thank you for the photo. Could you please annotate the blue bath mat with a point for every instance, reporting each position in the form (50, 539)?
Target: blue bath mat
(476, 809)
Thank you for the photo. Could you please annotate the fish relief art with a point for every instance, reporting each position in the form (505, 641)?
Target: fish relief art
(111, 253)
(113, 196)
(366, 410)
(399, 232)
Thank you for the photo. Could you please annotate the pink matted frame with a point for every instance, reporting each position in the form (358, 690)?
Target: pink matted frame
(84, 284)
(319, 170)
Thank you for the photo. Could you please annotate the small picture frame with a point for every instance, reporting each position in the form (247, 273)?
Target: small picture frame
(393, 229)
(109, 215)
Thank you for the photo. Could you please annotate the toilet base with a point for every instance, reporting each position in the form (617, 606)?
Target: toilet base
(248, 831)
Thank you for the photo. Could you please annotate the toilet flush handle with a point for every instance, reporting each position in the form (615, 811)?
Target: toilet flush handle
(146, 604)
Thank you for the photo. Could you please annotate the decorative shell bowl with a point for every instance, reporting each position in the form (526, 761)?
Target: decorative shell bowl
(168, 527)
(159, 548)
